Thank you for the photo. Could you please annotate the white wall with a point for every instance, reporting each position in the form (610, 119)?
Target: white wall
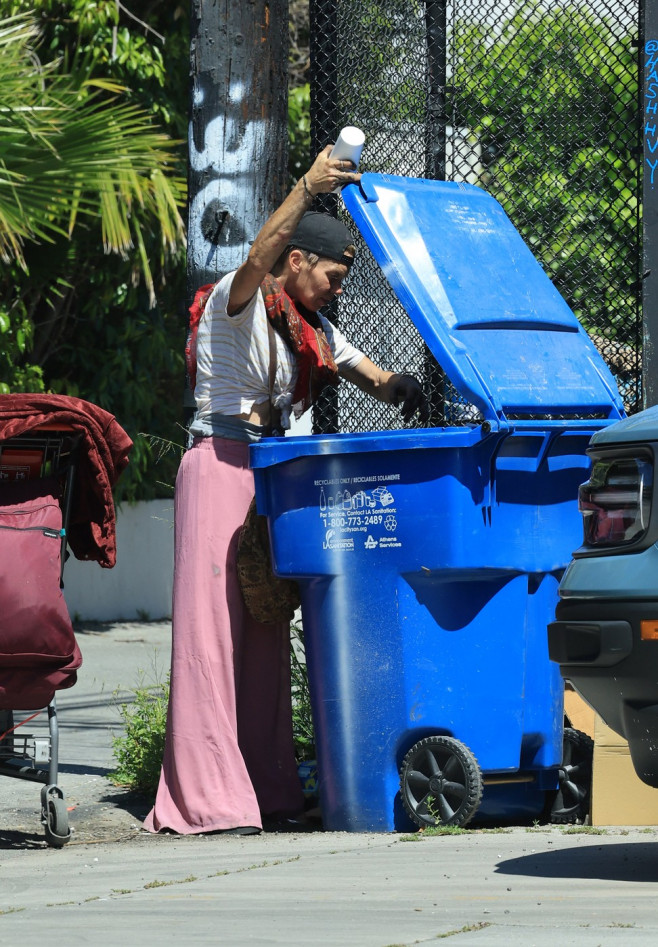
(139, 586)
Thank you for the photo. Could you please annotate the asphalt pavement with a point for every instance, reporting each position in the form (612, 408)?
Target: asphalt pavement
(113, 883)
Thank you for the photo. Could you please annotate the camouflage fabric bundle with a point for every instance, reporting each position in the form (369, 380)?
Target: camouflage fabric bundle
(268, 598)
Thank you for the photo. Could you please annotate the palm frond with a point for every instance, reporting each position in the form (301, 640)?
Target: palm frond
(66, 156)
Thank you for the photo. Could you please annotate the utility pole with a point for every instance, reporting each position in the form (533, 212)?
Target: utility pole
(238, 130)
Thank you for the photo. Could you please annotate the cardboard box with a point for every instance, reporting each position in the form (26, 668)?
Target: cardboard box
(579, 714)
(619, 797)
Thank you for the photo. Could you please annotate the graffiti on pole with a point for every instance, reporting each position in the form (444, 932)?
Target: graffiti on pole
(217, 238)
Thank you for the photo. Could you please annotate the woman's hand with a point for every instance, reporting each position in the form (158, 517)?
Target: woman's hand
(407, 392)
(323, 177)
(403, 391)
(327, 173)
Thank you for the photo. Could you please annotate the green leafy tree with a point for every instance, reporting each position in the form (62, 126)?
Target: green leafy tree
(90, 202)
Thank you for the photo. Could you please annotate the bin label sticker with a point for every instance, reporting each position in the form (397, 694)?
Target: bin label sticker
(354, 514)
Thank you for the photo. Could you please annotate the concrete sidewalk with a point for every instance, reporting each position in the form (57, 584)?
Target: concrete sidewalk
(532, 887)
(115, 884)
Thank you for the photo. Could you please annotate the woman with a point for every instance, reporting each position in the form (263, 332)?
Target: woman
(262, 351)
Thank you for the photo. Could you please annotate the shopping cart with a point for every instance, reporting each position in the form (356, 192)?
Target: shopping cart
(39, 651)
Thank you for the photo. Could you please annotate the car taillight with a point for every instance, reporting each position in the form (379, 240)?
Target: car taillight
(616, 500)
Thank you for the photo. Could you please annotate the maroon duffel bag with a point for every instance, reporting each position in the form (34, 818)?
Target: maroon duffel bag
(38, 650)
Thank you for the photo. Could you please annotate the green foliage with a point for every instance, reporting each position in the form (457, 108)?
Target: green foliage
(16, 332)
(139, 751)
(92, 282)
(71, 156)
(302, 721)
(299, 132)
(141, 46)
(137, 378)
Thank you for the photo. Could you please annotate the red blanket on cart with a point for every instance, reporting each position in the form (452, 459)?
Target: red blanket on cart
(103, 456)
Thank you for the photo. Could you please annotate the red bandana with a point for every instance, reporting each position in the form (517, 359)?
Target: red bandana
(302, 332)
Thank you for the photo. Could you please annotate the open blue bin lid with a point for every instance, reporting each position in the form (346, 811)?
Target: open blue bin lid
(488, 312)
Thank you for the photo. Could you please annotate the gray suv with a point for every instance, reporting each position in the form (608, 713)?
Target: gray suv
(605, 636)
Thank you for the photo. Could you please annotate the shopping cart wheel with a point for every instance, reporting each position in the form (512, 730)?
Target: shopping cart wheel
(441, 782)
(571, 803)
(54, 817)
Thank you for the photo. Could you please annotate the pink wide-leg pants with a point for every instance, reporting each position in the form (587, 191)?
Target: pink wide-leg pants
(229, 757)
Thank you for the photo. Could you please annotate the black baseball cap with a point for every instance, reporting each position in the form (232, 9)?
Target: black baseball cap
(324, 236)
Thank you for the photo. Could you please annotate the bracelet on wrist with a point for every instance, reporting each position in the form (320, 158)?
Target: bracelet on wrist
(306, 186)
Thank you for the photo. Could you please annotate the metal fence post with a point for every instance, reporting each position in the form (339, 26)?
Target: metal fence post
(435, 163)
(323, 18)
(649, 93)
(437, 120)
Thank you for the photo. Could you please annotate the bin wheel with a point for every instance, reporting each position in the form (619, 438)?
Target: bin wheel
(55, 818)
(571, 803)
(441, 782)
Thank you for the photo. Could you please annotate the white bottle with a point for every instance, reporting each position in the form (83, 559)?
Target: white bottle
(349, 146)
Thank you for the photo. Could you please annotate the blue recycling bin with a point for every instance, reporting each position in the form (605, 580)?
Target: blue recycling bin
(429, 560)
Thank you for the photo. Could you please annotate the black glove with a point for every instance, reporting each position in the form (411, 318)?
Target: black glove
(408, 393)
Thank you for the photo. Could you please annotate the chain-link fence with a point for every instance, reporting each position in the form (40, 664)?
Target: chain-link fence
(536, 102)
